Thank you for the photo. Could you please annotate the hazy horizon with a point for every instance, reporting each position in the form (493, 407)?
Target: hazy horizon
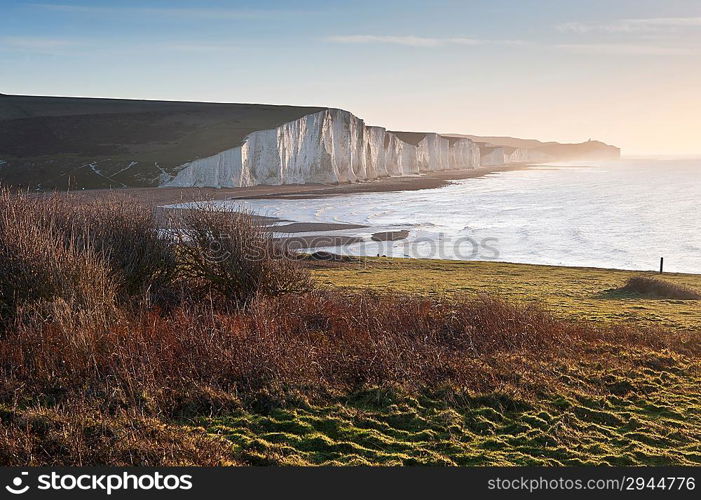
(626, 74)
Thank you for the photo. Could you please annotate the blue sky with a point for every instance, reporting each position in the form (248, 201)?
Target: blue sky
(625, 71)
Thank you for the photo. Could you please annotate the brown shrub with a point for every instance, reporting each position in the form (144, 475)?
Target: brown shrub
(234, 256)
(42, 233)
(658, 288)
(125, 233)
(43, 269)
(315, 343)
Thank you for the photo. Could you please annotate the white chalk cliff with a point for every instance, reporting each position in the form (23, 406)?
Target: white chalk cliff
(331, 146)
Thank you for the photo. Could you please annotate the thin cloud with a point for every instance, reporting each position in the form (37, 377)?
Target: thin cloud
(56, 46)
(633, 25)
(199, 47)
(36, 44)
(418, 41)
(173, 12)
(625, 49)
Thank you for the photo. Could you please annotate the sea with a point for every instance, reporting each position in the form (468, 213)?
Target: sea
(624, 214)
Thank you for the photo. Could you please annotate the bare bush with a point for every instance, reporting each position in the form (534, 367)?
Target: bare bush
(126, 234)
(43, 269)
(233, 255)
(121, 232)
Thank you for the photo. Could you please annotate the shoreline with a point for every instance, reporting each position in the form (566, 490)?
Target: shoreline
(431, 180)
(159, 196)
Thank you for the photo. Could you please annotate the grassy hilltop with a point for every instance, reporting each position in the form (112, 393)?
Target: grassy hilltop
(121, 347)
(72, 142)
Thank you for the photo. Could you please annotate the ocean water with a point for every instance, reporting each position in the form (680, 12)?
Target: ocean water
(625, 214)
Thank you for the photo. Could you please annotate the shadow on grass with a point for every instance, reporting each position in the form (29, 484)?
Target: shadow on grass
(641, 287)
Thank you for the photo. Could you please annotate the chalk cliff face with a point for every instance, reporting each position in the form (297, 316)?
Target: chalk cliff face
(330, 146)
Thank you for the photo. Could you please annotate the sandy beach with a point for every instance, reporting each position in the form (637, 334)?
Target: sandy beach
(168, 196)
(158, 197)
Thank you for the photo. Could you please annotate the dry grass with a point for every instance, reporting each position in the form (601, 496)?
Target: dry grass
(44, 269)
(318, 343)
(92, 372)
(141, 372)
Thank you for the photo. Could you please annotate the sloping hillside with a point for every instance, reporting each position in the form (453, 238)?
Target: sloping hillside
(58, 142)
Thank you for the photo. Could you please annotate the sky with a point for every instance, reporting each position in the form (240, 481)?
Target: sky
(627, 72)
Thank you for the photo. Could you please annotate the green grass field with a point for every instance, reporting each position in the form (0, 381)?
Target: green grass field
(591, 413)
(649, 418)
(569, 292)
